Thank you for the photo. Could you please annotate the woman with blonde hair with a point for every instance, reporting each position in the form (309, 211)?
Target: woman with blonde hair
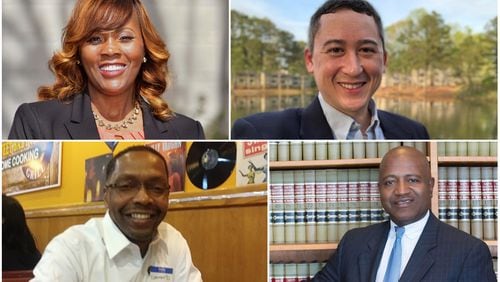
(110, 75)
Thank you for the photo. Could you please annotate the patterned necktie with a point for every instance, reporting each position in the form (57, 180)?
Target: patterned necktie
(394, 265)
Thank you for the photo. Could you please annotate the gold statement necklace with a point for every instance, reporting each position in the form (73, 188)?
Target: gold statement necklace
(129, 120)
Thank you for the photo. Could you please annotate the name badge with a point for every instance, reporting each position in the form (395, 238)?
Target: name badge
(159, 273)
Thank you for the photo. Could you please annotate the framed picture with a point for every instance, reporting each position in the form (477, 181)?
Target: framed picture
(175, 156)
(30, 166)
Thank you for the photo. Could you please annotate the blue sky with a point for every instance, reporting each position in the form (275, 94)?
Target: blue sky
(293, 15)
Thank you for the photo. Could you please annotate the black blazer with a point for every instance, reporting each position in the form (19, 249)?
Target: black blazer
(443, 253)
(54, 119)
(310, 123)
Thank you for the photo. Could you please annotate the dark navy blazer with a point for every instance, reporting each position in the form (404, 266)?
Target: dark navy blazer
(443, 253)
(54, 119)
(310, 123)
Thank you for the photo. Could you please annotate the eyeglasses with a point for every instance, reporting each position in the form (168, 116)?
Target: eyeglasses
(130, 188)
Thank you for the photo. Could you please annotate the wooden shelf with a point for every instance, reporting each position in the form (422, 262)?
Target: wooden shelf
(301, 252)
(296, 253)
(467, 160)
(345, 163)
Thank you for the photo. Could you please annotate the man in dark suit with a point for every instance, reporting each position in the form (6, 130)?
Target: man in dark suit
(346, 55)
(430, 250)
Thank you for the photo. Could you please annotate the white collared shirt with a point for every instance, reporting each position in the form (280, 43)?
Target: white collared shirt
(408, 244)
(98, 251)
(345, 127)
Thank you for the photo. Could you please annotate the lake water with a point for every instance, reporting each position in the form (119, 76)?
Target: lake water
(454, 119)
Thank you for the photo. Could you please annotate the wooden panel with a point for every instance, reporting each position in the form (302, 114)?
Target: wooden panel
(227, 237)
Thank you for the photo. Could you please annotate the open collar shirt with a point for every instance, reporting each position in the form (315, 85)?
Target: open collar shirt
(408, 243)
(345, 127)
(98, 251)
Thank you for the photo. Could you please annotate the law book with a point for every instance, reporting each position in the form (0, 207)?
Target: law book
(484, 148)
(321, 229)
(364, 197)
(463, 199)
(283, 151)
(295, 150)
(375, 205)
(321, 150)
(277, 207)
(353, 200)
(310, 198)
(393, 145)
(452, 192)
(442, 195)
(382, 149)
(278, 272)
(331, 205)
(371, 149)
(346, 150)
(462, 149)
(488, 202)
(495, 193)
(441, 149)
(302, 272)
(314, 267)
(291, 272)
(451, 148)
(493, 148)
(308, 150)
(342, 202)
(476, 214)
(289, 206)
(472, 148)
(273, 151)
(300, 206)
(422, 147)
(358, 150)
(333, 150)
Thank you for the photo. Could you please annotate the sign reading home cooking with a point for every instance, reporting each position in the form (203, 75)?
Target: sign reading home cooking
(30, 166)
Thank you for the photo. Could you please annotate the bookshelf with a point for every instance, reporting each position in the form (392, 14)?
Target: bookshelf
(309, 252)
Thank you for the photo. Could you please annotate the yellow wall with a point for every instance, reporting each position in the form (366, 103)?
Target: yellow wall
(72, 187)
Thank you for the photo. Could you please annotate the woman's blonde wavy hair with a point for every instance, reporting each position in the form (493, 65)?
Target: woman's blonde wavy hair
(90, 16)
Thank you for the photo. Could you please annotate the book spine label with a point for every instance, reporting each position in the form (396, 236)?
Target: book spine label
(464, 200)
(300, 207)
(353, 199)
(321, 227)
(277, 209)
(310, 192)
(488, 203)
(452, 192)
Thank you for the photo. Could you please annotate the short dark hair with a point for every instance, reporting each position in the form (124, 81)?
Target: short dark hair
(331, 6)
(110, 167)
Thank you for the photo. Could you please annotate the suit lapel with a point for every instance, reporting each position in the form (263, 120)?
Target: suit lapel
(82, 123)
(313, 124)
(393, 128)
(369, 260)
(422, 259)
(154, 128)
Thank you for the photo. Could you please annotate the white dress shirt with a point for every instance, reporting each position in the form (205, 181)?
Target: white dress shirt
(408, 243)
(98, 251)
(345, 127)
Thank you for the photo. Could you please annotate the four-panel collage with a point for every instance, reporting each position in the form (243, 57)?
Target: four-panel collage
(265, 140)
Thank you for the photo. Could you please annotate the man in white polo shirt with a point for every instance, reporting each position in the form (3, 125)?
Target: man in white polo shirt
(131, 242)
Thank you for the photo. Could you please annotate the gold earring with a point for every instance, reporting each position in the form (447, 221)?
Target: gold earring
(78, 62)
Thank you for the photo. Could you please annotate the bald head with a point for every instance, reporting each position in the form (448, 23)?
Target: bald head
(405, 185)
(408, 153)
